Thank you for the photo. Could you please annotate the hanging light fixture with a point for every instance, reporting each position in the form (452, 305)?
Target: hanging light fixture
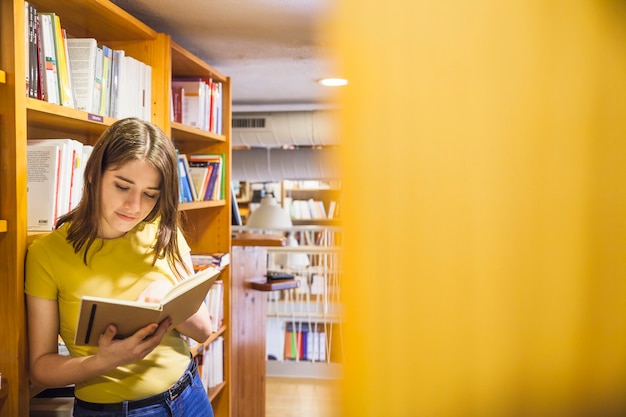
(269, 215)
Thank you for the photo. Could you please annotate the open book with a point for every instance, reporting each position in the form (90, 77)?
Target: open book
(181, 302)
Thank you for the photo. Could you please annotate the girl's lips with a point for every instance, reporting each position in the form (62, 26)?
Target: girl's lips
(125, 217)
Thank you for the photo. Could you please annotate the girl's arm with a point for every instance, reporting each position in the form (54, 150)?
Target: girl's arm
(49, 369)
(198, 326)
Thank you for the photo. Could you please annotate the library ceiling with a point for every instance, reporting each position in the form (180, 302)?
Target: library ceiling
(273, 50)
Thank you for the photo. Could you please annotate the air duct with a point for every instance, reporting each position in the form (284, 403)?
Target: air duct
(268, 165)
(274, 130)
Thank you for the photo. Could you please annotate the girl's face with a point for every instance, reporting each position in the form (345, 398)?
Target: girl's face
(129, 193)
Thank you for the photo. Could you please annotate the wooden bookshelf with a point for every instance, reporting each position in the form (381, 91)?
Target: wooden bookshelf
(207, 224)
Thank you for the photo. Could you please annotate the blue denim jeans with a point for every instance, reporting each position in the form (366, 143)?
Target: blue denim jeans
(192, 402)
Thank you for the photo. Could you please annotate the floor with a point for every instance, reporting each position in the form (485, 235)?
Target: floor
(298, 397)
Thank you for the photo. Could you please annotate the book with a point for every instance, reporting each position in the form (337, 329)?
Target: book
(202, 260)
(215, 188)
(200, 178)
(68, 192)
(196, 101)
(82, 58)
(107, 67)
(43, 173)
(187, 188)
(97, 85)
(50, 62)
(32, 71)
(116, 68)
(180, 303)
(65, 84)
(177, 104)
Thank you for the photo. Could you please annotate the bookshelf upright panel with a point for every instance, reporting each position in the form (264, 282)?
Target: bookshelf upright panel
(13, 349)
(208, 223)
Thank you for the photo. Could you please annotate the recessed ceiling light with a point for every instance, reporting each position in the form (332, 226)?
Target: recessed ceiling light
(333, 82)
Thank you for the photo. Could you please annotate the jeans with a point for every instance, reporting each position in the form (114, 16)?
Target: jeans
(193, 402)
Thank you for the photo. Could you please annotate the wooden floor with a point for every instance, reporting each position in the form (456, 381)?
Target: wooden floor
(298, 397)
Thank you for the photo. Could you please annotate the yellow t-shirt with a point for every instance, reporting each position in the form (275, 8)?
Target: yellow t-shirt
(117, 268)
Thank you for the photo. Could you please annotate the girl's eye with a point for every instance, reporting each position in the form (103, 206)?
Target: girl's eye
(151, 196)
(120, 187)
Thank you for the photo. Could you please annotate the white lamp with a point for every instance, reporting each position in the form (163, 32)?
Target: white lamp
(269, 215)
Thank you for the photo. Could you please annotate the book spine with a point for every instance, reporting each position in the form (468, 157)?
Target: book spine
(50, 60)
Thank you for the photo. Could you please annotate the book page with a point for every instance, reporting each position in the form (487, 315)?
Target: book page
(181, 302)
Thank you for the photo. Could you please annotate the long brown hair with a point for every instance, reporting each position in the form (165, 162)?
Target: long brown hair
(124, 141)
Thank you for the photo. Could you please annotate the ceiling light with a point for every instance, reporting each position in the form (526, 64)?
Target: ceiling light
(333, 82)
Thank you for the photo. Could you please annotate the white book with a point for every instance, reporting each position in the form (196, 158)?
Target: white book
(68, 192)
(195, 102)
(82, 57)
(118, 59)
(97, 86)
(107, 64)
(43, 171)
(50, 57)
(146, 99)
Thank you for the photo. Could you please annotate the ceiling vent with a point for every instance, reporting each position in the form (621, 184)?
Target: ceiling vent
(298, 128)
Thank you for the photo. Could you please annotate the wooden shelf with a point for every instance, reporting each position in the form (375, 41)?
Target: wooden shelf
(262, 284)
(195, 205)
(257, 239)
(46, 116)
(180, 132)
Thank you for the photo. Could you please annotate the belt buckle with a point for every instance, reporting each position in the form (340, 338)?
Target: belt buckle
(173, 393)
(175, 390)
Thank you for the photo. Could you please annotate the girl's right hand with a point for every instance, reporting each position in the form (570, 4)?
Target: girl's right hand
(115, 352)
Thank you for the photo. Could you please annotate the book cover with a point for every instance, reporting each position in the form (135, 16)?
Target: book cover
(181, 302)
(215, 189)
(50, 64)
(177, 103)
(97, 90)
(196, 101)
(65, 85)
(200, 178)
(186, 194)
(116, 69)
(107, 67)
(27, 25)
(82, 57)
(69, 193)
(43, 172)
(202, 260)
(41, 61)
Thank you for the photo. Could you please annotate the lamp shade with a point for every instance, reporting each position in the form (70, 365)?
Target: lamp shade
(269, 215)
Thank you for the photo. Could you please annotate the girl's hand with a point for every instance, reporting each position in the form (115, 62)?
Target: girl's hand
(155, 291)
(115, 352)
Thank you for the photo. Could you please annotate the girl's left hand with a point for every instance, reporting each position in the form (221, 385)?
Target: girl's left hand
(155, 291)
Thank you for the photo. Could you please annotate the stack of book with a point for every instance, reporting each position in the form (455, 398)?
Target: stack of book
(197, 102)
(305, 341)
(55, 179)
(81, 73)
(201, 177)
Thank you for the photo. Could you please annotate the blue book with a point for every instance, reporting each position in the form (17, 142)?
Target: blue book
(186, 195)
